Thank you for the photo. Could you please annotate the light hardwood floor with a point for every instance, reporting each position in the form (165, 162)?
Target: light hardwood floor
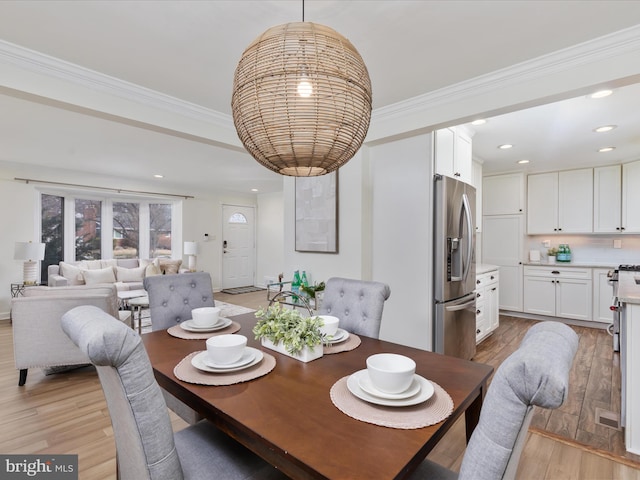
(67, 414)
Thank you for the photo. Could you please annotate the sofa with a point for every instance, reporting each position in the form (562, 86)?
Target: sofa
(38, 339)
(125, 273)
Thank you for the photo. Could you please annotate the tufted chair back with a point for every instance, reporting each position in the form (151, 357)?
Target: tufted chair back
(172, 297)
(358, 304)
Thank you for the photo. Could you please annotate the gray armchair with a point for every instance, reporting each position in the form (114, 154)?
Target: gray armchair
(357, 303)
(38, 339)
(146, 447)
(535, 374)
(172, 297)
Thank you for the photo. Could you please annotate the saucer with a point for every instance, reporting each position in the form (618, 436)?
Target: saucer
(425, 393)
(198, 361)
(247, 357)
(189, 326)
(340, 336)
(365, 383)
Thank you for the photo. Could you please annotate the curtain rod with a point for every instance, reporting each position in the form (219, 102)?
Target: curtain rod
(117, 190)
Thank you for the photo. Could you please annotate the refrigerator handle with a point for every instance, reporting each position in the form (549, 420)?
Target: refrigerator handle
(467, 212)
(462, 306)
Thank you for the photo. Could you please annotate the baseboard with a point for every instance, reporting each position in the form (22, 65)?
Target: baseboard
(569, 321)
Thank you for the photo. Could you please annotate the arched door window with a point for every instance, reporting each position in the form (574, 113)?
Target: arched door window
(237, 218)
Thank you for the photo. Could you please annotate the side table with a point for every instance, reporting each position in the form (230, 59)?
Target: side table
(137, 304)
(17, 290)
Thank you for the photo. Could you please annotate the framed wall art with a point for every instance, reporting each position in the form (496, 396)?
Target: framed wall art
(317, 213)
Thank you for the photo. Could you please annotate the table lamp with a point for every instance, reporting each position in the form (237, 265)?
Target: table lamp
(31, 253)
(191, 250)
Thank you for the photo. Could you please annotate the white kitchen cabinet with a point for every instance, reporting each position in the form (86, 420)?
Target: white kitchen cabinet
(502, 239)
(487, 310)
(477, 183)
(503, 194)
(602, 296)
(607, 199)
(631, 197)
(453, 154)
(558, 292)
(560, 202)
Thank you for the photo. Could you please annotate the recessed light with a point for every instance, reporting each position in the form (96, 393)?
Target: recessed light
(604, 128)
(601, 94)
(522, 162)
(157, 175)
(506, 146)
(254, 189)
(606, 149)
(480, 121)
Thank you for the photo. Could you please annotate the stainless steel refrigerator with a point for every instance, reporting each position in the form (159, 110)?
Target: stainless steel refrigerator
(454, 269)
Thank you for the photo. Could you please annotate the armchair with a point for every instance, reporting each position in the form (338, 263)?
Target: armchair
(38, 339)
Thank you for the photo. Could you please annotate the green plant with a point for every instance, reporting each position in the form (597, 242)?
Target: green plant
(280, 324)
(553, 251)
(311, 290)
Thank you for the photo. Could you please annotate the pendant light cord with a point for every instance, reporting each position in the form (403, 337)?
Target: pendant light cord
(303, 10)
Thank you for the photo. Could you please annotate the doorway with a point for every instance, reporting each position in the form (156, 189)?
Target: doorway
(238, 246)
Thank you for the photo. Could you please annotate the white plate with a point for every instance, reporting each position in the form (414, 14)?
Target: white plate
(189, 326)
(365, 383)
(426, 392)
(340, 336)
(247, 356)
(198, 361)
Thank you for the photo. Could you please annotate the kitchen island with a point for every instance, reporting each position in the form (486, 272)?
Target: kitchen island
(629, 298)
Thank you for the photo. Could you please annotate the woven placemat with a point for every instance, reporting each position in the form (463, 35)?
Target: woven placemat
(179, 332)
(433, 411)
(188, 373)
(350, 343)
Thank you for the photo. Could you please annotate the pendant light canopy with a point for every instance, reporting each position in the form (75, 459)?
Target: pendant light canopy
(301, 99)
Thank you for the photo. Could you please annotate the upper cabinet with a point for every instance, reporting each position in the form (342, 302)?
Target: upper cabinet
(560, 202)
(607, 199)
(477, 183)
(631, 197)
(453, 154)
(503, 194)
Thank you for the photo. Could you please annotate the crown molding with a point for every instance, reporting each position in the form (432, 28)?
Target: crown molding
(47, 65)
(602, 48)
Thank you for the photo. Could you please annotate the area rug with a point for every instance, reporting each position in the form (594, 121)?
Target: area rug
(228, 310)
(237, 290)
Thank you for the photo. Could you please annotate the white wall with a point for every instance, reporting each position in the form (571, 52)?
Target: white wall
(270, 237)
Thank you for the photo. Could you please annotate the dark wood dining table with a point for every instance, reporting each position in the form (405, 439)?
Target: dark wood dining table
(288, 418)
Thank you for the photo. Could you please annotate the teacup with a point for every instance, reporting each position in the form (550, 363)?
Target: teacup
(391, 373)
(330, 326)
(226, 349)
(205, 316)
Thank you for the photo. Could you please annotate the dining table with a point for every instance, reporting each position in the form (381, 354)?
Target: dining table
(289, 418)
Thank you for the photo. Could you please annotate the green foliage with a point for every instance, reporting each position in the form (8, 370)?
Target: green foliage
(311, 290)
(552, 251)
(280, 324)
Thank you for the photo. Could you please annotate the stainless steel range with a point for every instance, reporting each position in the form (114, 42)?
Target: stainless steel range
(616, 306)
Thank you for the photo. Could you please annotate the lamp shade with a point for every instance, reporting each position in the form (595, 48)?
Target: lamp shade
(190, 248)
(28, 251)
(301, 99)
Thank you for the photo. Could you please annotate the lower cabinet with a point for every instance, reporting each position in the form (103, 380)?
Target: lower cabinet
(558, 292)
(487, 301)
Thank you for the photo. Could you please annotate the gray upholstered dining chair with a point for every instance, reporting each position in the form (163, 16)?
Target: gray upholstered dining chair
(535, 374)
(146, 446)
(357, 303)
(172, 297)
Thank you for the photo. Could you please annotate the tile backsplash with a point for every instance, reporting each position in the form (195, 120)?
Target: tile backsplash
(591, 249)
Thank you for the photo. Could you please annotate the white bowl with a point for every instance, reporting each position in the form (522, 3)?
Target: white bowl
(391, 373)
(330, 326)
(205, 316)
(226, 349)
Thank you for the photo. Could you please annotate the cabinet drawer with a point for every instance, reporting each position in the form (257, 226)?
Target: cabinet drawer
(558, 272)
(485, 279)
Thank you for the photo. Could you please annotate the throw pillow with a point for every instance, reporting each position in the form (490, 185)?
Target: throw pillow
(129, 274)
(102, 275)
(71, 273)
(151, 270)
(169, 266)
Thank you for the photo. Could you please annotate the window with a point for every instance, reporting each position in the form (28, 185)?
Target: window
(52, 223)
(72, 228)
(237, 218)
(88, 227)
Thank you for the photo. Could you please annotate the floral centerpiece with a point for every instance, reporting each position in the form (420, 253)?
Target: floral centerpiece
(288, 332)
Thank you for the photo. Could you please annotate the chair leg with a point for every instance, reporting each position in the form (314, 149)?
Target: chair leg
(23, 377)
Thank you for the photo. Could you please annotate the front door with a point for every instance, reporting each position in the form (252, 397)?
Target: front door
(238, 246)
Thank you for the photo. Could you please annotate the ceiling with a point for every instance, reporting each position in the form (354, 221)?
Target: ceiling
(189, 50)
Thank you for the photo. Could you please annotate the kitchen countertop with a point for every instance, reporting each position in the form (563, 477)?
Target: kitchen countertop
(628, 290)
(572, 264)
(484, 268)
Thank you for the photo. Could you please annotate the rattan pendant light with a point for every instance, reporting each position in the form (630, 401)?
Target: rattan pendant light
(301, 99)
